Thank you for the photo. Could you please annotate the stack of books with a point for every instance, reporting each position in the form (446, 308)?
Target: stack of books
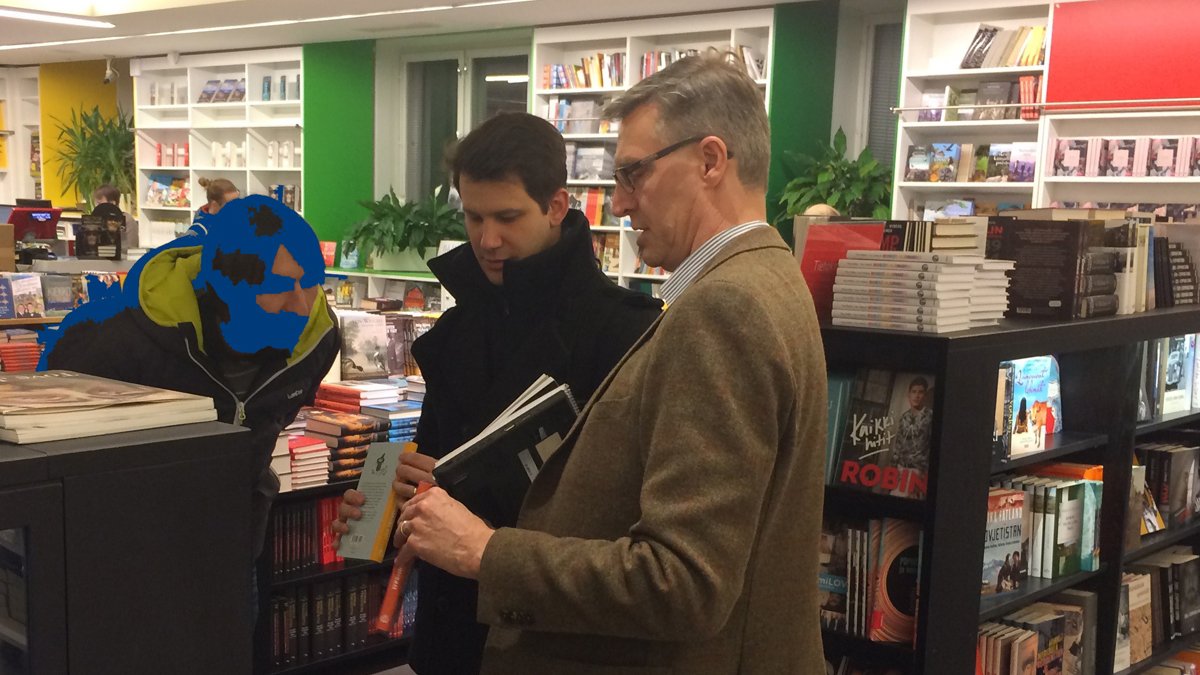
(59, 404)
(416, 388)
(401, 418)
(347, 437)
(308, 464)
(351, 396)
(901, 290)
(989, 292)
(19, 357)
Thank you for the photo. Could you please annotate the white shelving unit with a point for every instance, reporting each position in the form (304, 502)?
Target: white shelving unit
(22, 117)
(167, 114)
(1107, 189)
(567, 45)
(934, 45)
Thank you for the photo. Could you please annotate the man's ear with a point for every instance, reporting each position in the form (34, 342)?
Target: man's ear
(716, 158)
(560, 203)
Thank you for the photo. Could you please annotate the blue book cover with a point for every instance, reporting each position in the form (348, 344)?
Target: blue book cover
(1037, 403)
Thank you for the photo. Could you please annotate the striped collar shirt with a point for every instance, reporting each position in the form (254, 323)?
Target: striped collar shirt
(690, 269)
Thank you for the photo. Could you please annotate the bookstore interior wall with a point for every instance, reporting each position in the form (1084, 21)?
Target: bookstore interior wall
(20, 157)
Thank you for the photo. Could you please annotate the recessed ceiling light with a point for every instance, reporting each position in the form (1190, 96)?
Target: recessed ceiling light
(53, 18)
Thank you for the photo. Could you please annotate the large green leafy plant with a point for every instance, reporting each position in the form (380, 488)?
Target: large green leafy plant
(95, 150)
(855, 187)
(396, 225)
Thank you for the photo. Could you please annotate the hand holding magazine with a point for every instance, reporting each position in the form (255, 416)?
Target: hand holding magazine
(491, 472)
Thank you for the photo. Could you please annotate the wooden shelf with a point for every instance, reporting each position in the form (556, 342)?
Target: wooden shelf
(39, 321)
(955, 126)
(330, 571)
(1167, 422)
(277, 168)
(1157, 541)
(598, 182)
(843, 500)
(606, 228)
(324, 665)
(589, 137)
(975, 73)
(994, 607)
(1123, 180)
(964, 186)
(405, 276)
(164, 107)
(580, 91)
(1163, 652)
(1057, 445)
(148, 207)
(877, 652)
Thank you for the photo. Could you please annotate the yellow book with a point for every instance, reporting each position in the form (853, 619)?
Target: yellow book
(368, 536)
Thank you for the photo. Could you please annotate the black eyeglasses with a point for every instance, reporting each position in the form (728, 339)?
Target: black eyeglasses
(624, 174)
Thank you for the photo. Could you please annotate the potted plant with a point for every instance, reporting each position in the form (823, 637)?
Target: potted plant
(401, 236)
(95, 150)
(855, 187)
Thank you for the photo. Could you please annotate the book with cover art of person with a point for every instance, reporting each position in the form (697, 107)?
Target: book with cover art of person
(1036, 403)
(889, 428)
(491, 472)
(1005, 543)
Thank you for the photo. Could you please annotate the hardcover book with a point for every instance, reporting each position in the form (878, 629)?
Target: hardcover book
(491, 472)
(885, 445)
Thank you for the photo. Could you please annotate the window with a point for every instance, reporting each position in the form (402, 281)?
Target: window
(884, 91)
(427, 97)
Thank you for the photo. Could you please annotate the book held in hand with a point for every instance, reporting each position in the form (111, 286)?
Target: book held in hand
(491, 472)
(368, 537)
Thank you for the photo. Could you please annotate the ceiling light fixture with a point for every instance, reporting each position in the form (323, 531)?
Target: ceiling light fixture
(263, 24)
(510, 79)
(52, 18)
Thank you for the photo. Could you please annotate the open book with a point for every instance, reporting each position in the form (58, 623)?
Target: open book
(491, 472)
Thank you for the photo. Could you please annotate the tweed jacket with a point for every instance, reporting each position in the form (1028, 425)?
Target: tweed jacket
(676, 528)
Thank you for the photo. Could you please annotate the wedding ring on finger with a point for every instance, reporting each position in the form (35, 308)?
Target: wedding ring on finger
(404, 527)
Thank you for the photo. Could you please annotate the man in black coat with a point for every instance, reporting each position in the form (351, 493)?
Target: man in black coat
(530, 299)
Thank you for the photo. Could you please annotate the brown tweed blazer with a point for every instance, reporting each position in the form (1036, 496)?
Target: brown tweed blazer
(676, 528)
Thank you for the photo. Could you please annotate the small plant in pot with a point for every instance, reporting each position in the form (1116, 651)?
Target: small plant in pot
(401, 235)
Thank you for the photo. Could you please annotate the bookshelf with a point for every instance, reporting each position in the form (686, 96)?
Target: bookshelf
(635, 40)
(20, 123)
(1099, 362)
(936, 38)
(241, 141)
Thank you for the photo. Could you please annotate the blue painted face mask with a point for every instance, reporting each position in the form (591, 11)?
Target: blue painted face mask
(241, 247)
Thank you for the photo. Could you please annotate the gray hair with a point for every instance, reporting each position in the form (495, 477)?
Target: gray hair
(710, 94)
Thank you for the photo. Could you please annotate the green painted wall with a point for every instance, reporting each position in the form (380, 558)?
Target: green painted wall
(802, 82)
(339, 134)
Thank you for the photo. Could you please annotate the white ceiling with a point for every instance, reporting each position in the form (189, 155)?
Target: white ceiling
(135, 31)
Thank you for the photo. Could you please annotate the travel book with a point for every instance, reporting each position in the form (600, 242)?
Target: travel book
(368, 537)
(58, 404)
(491, 472)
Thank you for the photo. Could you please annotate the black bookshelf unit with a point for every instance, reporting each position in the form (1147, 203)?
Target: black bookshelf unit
(379, 653)
(1099, 362)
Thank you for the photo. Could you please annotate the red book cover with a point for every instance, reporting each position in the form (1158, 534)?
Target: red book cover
(824, 245)
(336, 406)
(357, 390)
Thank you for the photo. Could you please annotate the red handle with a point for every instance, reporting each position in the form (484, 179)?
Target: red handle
(395, 586)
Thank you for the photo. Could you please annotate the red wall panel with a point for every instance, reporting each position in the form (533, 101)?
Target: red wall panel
(1124, 49)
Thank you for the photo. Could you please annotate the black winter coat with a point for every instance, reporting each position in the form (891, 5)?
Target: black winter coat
(556, 313)
(165, 351)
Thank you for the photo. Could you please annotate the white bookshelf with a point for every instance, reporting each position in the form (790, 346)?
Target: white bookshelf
(936, 38)
(168, 114)
(567, 45)
(22, 122)
(1110, 189)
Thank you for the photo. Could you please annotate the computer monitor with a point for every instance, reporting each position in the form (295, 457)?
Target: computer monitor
(34, 203)
(34, 223)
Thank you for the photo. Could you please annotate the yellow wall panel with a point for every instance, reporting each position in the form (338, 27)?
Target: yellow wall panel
(63, 87)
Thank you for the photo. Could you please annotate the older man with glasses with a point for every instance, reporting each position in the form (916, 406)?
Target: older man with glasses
(676, 528)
